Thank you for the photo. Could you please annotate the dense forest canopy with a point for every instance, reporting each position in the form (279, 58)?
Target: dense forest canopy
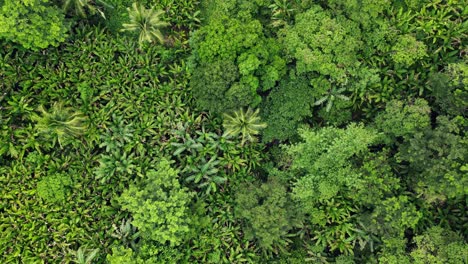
(233, 131)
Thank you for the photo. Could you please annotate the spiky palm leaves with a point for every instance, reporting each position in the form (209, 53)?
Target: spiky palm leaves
(331, 96)
(146, 22)
(79, 7)
(60, 123)
(244, 123)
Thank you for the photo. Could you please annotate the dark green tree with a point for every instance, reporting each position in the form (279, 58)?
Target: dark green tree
(436, 160)
(257, 60)
(210, 82)
(267, 214)
(403, 120)
(285, 107)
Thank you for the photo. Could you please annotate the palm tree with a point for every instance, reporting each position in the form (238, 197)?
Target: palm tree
(60, 123)
(147, 22)
(244, 123)
(331, 96)
(79, 6)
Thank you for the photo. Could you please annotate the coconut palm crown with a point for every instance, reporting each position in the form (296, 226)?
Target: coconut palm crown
(79, 7)
(244, 123)
(60, 123)
(146, 22)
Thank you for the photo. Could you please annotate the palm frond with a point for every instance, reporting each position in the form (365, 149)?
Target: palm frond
(146, 22)
(247, 124)
(60, 123)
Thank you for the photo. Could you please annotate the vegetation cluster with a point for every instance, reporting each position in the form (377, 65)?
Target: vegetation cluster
(233, 131)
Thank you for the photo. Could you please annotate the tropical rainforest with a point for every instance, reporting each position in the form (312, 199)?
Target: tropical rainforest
(233, 131)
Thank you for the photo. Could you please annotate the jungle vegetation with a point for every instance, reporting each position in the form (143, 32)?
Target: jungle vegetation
(233, 131)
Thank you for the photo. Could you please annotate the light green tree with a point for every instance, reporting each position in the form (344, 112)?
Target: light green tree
(34, 24)
(437, 245)
(323, 161)
(159, 205)
(402, 119)
(54, 188)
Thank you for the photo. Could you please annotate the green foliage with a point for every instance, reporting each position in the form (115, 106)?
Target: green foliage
(323, 161)
(53, 188)
(333, 225)
(206, 159)
(50, 230)
(326, 47)
(437, 160)
(285, 107)
(345, 193)
(378, 179)
(79, 7)
(210, 83)
(159, 205)
(449, 89)
(339, 111)
(408, 50)
(282, 12)
(239, 9)
(394, 251)
(121, 255)
(267, 214)
(126, 233)
(60, 124)
(323, 45)
(252, 60)
(220, 238)
(145, 22)
(330, 185)
(395, 215)
(331, 96)
(404, 119)
(117, 164)
(242, 123)
(101, 76)
(437, 245)
(84, 256)
(208, 172)
(32, 24)
(440, 25)
(181, 13)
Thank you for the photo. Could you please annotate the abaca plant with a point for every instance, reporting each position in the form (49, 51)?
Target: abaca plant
(146, 22)
(244, 123)
(59, 123)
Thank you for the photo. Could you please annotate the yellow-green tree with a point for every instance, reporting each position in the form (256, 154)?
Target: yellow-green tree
(34, 24)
